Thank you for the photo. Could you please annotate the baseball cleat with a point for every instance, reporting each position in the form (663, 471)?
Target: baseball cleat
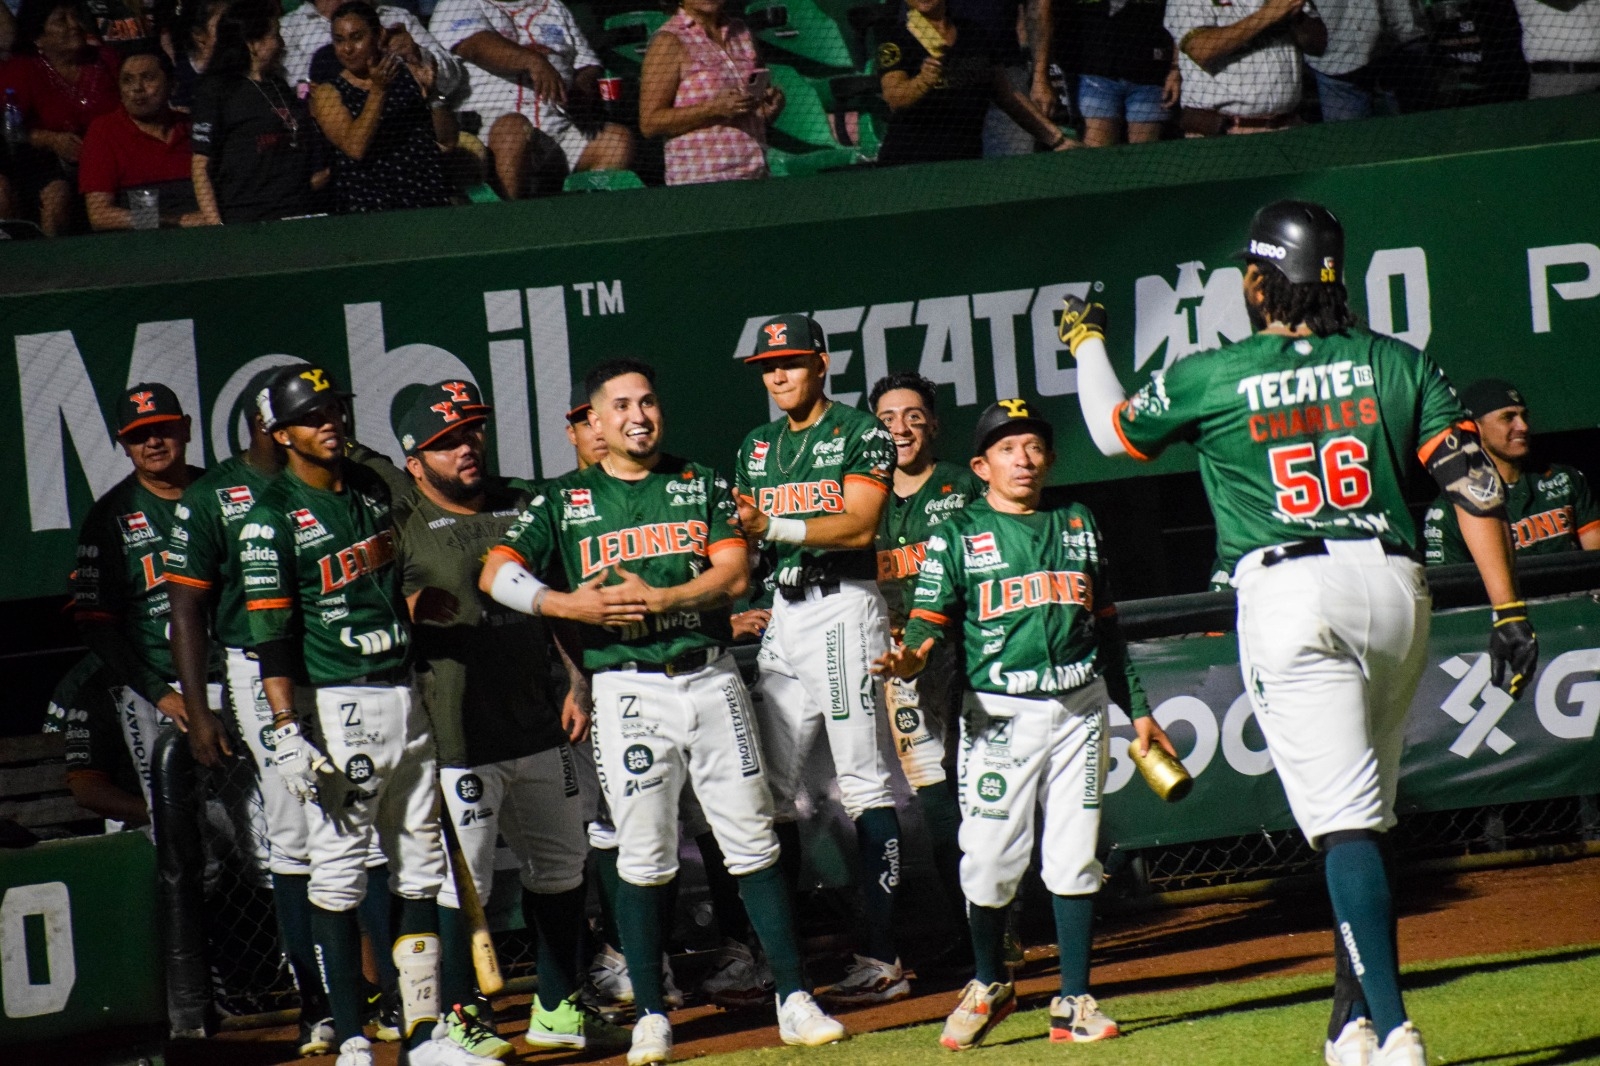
(571, 1026)
(608, 983)
(671, 994)
(1357, 1045)
(739, 978)
(869, 981)
(355, 1052)
(1402, 1047)
(1079, 1020)
(802, 1022)
(464, 1027)
(316, 1037)
(652, 1040)
(1015, 954)
(385, 1007)
(982, 1007)
(441, 1051)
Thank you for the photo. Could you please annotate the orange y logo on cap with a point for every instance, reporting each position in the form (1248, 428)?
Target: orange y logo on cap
(318, 381)
(145, 402)
(457, 391)
(1015, 408)
(777, 333)
(447, 410)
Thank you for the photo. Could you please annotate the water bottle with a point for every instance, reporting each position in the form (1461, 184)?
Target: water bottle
(16, 135)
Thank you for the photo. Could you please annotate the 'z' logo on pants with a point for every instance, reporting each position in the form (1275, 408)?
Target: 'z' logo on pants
(1482, 721)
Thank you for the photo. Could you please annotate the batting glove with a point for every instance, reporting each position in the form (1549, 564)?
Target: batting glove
(1513, 648)
(297, 761)
(1081, 320)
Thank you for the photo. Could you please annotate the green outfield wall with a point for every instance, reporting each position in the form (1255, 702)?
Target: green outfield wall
(1472, 232)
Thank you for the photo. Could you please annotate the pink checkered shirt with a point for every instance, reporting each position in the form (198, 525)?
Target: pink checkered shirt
(731, 150)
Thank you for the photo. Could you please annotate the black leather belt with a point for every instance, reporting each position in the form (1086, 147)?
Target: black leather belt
(687, 663)
(1300, 549)
(797, 593)
(1556, 67)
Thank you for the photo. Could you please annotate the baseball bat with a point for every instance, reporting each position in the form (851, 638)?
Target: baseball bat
(485, 961)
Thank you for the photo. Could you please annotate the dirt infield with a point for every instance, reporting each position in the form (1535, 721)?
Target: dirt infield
(1442, 917)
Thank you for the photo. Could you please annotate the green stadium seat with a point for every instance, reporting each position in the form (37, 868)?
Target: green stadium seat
(626, 37)
(793, 165)
(801, 30)
(601, 181)
(804, 122)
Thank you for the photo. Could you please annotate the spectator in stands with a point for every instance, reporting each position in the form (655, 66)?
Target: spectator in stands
(939, 74)
(535, 87)
(694, 91)
(1022, 47)
(1241, 62)
(1561, 41)
(1347, 71)
(309, 27)
(144, 144)
(196, 32)
(385, 119)
(251, 133)
(62, 83)
(122, 24)
(1127, 67)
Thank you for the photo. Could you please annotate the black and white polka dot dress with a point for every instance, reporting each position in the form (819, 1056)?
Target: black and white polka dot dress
(402, 167)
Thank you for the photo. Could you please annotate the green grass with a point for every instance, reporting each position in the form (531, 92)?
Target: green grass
(1501, 1010)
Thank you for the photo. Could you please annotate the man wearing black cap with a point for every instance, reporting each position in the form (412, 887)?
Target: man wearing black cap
(205, 578)
(813, 486)
(119, 587)
(587, 444)
(505, 767)
(1550, 507)
(1020, 584)
(1304, 431)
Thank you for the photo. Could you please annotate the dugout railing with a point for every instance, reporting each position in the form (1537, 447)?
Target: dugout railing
(225, 966)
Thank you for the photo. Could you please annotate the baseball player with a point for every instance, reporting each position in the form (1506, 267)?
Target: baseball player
(1025, 581)
(1549, 507)
(205, 583)
(505, 766)
(813, 485)
(651, 549)
(100, 772)
(331, 632)
(927, 492)
(1304, 431)
(119, 587)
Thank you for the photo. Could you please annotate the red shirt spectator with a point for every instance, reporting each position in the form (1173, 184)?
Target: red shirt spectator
(52, 102)
(142, 143)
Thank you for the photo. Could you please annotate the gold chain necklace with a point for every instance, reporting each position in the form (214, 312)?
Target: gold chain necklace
(804, 440)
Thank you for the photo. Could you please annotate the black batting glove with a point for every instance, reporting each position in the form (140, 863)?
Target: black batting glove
(1081, 320)
(1513, 649)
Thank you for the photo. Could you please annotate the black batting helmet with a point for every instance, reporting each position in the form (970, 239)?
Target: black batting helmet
(297, 391)
(1302, 239)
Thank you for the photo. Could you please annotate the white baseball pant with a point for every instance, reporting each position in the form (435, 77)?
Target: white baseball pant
(1332, 647)
(288, 832)
(652, 734)
(378, 739)
(533, 803)
(1020, 754)
(816, 678)
(920, 714)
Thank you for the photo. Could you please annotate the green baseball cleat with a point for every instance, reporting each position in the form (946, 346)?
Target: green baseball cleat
(572, 1026)
(467, 1030)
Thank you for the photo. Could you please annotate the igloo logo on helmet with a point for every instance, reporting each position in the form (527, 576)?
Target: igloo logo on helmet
(1268, 251)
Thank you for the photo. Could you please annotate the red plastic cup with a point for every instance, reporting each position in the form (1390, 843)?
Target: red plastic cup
(611, 89)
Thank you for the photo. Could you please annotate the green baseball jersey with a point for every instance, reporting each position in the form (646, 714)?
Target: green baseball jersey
(907, 521)
(488, 678)
(1299, 437)
(1031, 597)
(664, 527)
(397, 479)
(82, 708)
(204, 552)
(803, 475)
(1548, 512)
(318, 568)
(121, 578)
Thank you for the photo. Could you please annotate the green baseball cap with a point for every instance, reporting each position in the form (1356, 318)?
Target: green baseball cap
(1005, 417)
(438, 409)
(787, 335)
(145, 404)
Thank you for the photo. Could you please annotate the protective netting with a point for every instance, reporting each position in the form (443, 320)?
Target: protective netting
(488, 100)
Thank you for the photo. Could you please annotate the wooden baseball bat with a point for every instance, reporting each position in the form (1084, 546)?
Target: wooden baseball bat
(485, 962)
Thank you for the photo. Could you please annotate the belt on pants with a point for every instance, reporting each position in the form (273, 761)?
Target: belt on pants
(1557, 67)
(398, 675)
(687, 663)
(1300, 549)
(797, 593)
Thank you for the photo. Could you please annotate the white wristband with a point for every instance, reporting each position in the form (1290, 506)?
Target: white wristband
(517, 589)
(786, 530)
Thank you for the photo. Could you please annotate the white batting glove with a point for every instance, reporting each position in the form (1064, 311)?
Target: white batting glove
(297, 761)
